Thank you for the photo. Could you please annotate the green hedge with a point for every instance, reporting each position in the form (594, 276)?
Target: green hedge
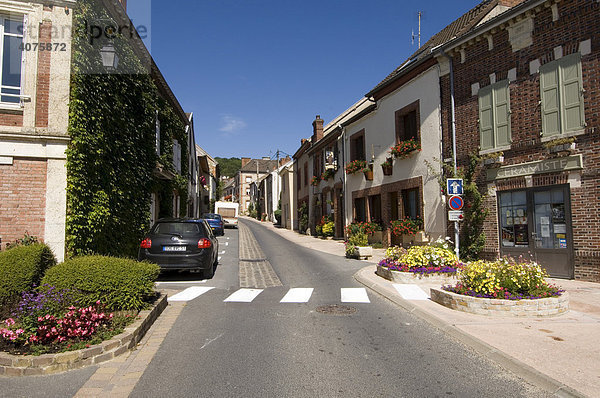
(118, 283)
(21, 267)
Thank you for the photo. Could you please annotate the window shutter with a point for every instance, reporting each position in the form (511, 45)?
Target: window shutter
(486, 119)
(550, 100)
(501, 103)
(573, 117)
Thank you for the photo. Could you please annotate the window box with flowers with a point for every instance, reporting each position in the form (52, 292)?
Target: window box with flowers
(405, 149)
(356, 166)
(406, 229)
(493, 159)
(388, 166)
(327, 174)
(561, 146)
(315, 181)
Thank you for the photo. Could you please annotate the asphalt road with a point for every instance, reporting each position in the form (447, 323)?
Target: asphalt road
(265, 348)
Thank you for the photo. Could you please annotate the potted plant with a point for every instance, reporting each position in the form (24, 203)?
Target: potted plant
(368, 171)
(493, 159)
(327, 174)
(388, 166)
(357, 246)
(406, 228)
(405, 148)
(356, 166)
(561, 146)
(315, 181)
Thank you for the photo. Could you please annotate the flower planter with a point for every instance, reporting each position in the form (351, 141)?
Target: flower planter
(568, 147)
(411, 277)
(376, 237)
(363, 252)
(368, 175)
(495, 161)
(543, 307)
(387, 169)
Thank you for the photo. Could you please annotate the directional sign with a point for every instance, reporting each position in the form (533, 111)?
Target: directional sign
(455, 215)
(456, 202)
(454, 186)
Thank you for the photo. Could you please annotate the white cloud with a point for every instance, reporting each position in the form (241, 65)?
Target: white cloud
(231, 124)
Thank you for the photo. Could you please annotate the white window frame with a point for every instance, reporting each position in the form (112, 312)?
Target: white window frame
(12, 105)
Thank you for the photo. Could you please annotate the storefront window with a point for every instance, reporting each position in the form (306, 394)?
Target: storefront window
(513, 216)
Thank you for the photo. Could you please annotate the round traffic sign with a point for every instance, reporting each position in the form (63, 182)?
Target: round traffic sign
(456, 202)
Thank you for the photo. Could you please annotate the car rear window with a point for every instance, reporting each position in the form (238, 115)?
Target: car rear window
(211, 216)
(177, 228)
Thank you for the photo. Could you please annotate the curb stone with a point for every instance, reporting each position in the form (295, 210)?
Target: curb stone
(521, 369)
(18, 365)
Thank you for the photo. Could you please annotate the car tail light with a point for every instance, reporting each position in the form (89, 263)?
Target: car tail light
(204, 243)
(146, 244)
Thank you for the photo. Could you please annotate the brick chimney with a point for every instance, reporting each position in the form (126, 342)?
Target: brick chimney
(245, 161)
(284, 160)
(317, 129)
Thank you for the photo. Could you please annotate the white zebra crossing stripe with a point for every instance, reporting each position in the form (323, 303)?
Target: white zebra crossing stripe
(355, 295)
(243, 296)
(297, 295)
(190, 293)
(411, 291)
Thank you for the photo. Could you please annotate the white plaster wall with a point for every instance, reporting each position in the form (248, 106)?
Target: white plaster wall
(380, 133)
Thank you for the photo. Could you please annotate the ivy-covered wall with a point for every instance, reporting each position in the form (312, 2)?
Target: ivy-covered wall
(112, 154)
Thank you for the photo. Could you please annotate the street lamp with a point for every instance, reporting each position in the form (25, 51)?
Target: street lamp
(110, 59)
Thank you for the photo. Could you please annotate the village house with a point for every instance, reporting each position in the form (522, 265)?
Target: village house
(525, 88)
(252, 170)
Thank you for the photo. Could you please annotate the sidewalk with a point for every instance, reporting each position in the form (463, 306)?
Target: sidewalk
(560, 354)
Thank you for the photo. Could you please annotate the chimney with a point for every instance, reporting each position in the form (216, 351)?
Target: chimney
(317, 129)
(284, 160)
(245, 161)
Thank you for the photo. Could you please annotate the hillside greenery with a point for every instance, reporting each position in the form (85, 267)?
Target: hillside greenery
(229, 166)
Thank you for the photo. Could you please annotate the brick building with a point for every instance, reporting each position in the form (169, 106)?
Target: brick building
(527, 101)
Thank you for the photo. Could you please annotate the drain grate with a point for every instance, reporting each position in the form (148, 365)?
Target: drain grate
(335, 309)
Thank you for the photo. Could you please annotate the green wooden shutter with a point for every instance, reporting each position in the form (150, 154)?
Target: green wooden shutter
(550, 99)
(571, 84)
(486, 119)
(501, 102)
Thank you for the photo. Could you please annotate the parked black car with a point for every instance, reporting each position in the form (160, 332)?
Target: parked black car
(181, 244)
(216, 223)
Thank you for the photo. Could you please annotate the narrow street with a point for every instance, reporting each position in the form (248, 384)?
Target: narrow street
(232, 342)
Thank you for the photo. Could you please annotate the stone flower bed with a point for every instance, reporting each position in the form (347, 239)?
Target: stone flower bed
(19, 365)
(413, 277)
(499, 307)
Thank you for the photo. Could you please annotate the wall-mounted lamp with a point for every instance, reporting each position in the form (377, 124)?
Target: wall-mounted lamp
(110, 59)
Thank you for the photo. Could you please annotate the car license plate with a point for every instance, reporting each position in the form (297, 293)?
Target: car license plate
(174, 248)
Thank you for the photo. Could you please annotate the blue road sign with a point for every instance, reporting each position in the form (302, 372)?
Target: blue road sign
(454, 186)
(456, 202)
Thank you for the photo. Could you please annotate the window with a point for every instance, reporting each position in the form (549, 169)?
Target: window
(408, 123)
(11, 32)
(513, 219)
(561, 87)
(299, 179)
(494, 116)
(375, 208)
(305, 173)
(411, 201)
(318, 164)
(177, 156)
(359, 210)
(357, 146)
(248, 191)
(248, 179)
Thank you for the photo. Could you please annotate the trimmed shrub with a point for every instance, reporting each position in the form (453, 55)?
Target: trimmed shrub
(118, 283)
(22, 267)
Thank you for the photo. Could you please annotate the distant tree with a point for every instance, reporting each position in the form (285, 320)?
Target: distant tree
(229, 167)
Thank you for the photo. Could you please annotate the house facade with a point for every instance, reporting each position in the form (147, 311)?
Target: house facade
(289, 216)
(302, 185)
(36, 98)
(526, 101)
(252, 170)
(207, 180)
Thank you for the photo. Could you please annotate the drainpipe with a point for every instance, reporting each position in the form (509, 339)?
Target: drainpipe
(453, 123)
(341, 164)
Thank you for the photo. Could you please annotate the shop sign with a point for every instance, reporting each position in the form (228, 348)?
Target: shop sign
(540, 167)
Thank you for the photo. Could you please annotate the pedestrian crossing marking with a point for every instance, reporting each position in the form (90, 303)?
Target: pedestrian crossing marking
(297, 295)
(243, 296)
(410, 291)
(190, 293)
(355, 295)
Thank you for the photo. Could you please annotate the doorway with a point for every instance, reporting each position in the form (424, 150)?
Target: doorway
(537, 222)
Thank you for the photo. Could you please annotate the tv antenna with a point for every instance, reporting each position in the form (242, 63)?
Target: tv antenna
(419, 34)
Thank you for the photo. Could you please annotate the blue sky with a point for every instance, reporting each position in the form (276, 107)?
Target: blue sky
(256, 72)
